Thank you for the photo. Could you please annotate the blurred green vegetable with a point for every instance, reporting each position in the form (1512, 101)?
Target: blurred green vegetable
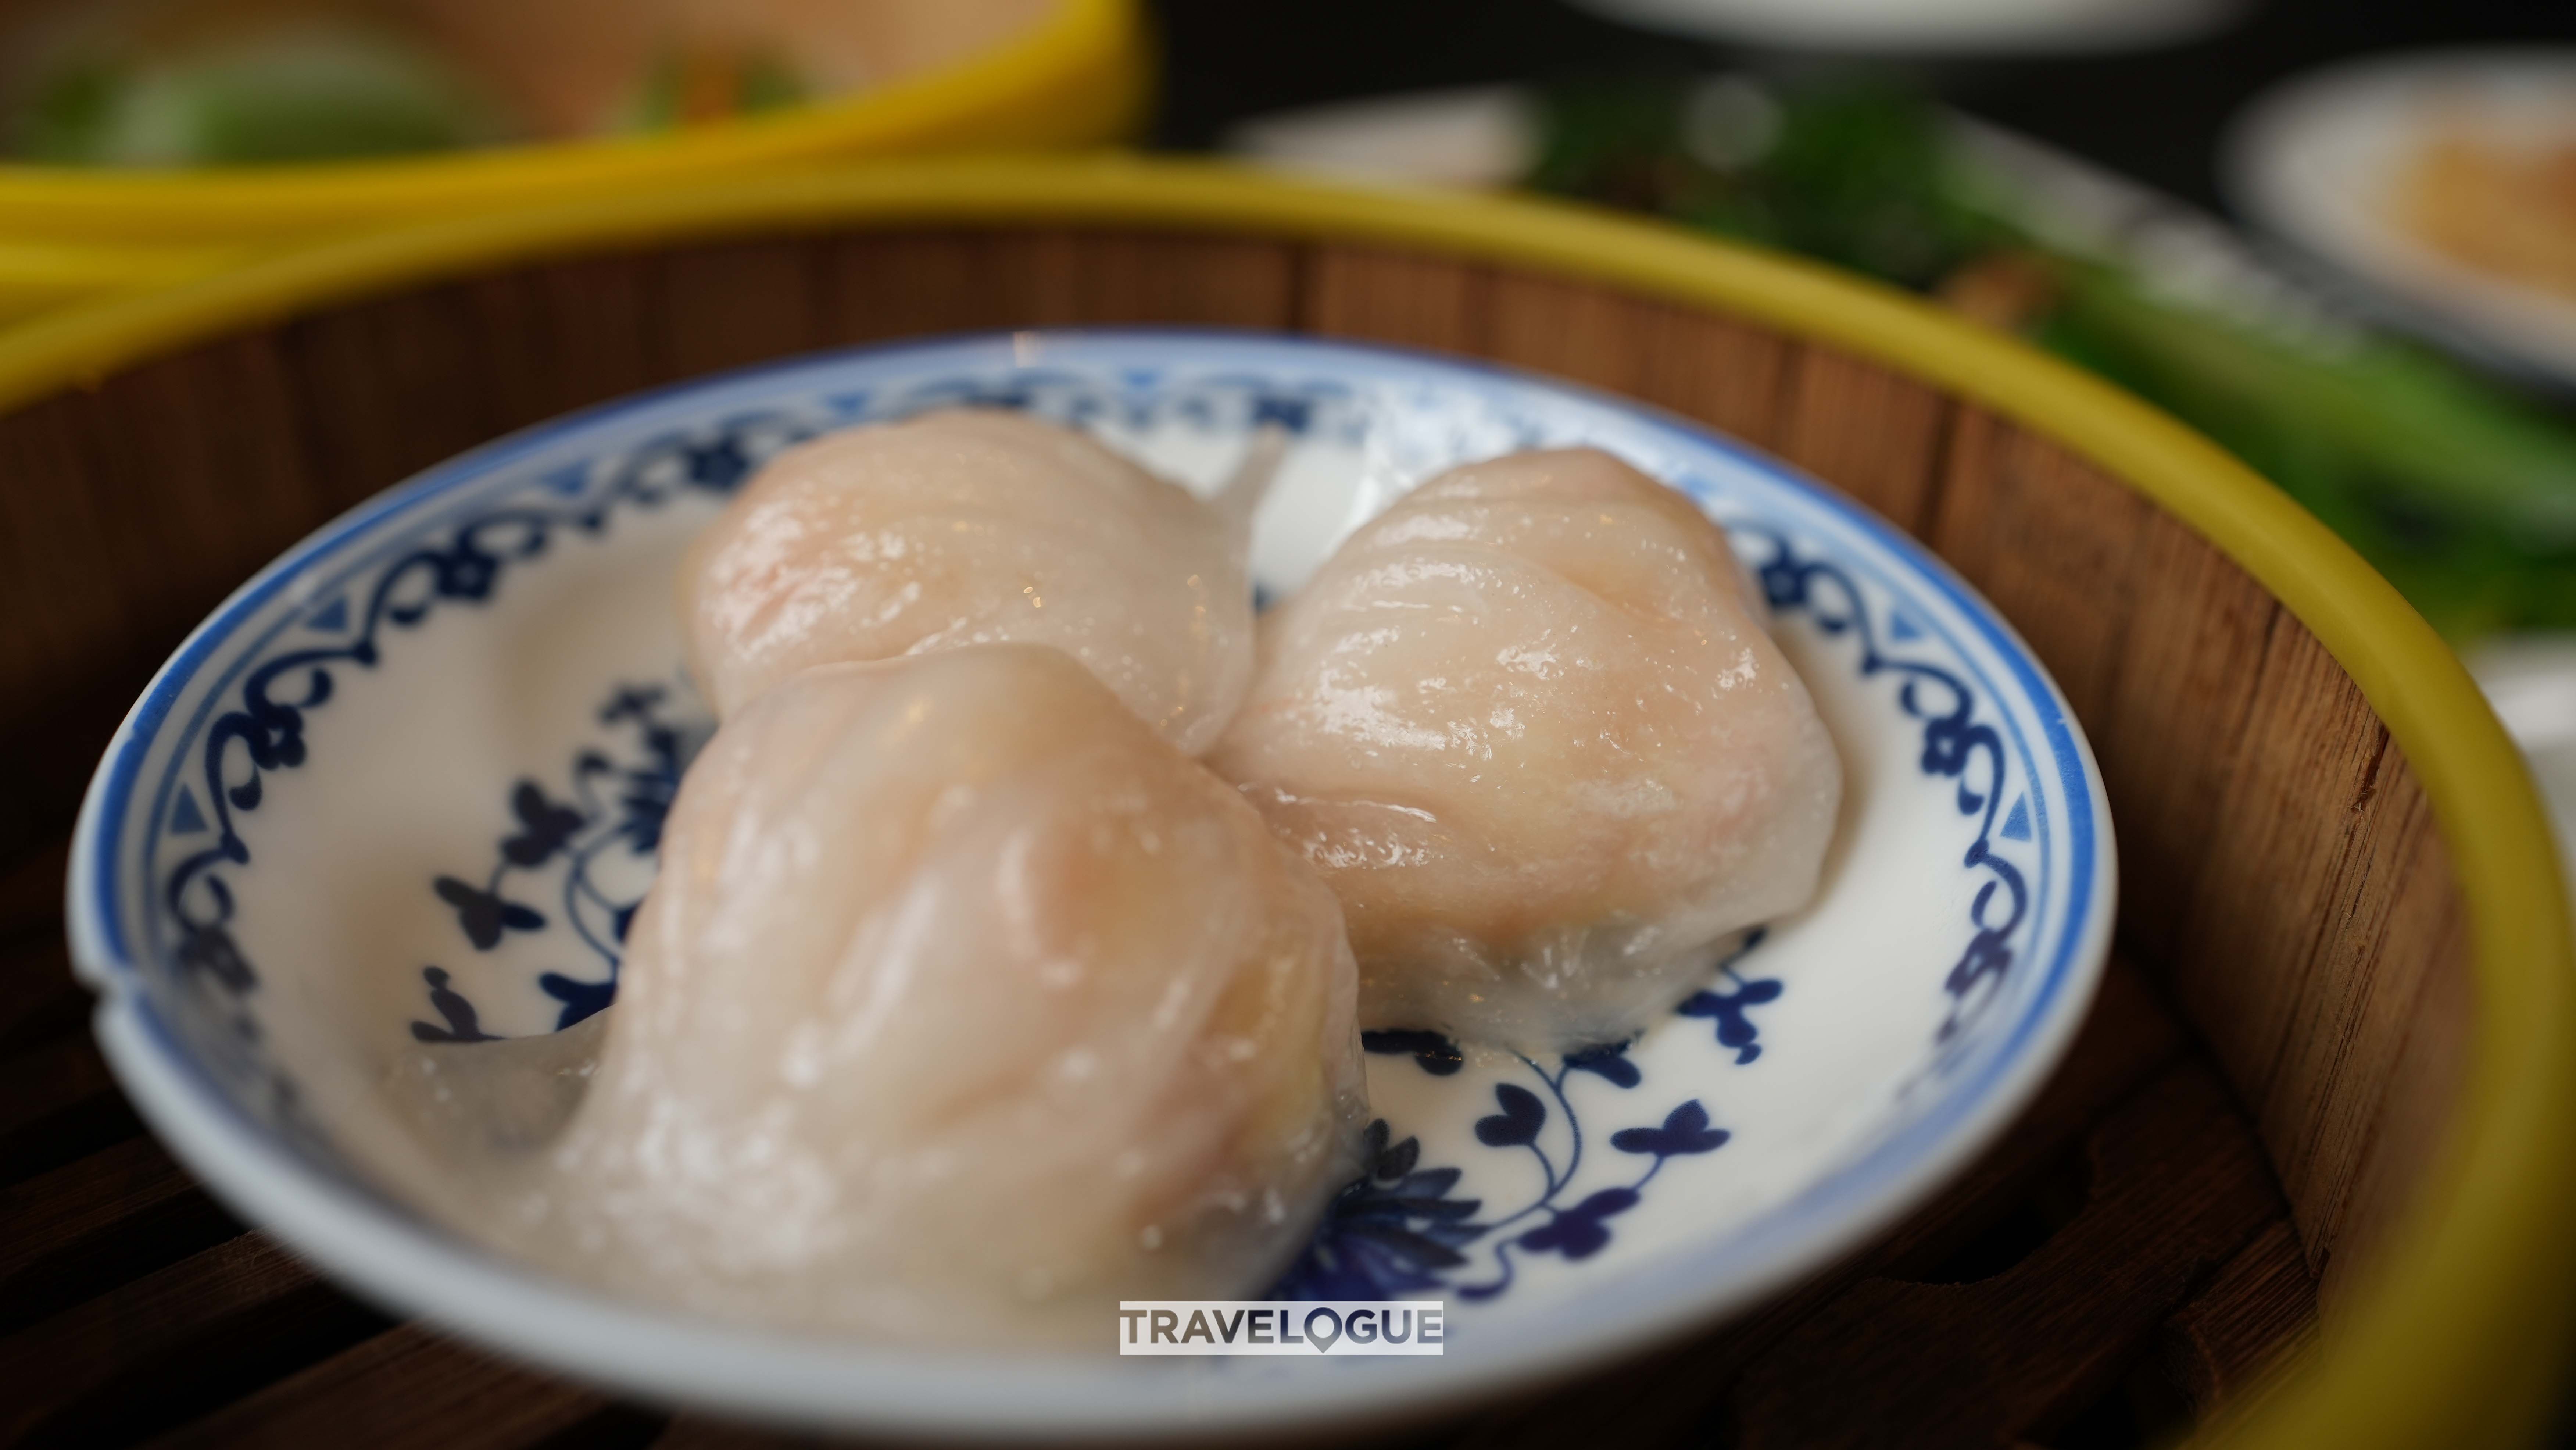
(2458, 488)
(690, 86)
(2461, 494)
(295, 94)
(1851, 174)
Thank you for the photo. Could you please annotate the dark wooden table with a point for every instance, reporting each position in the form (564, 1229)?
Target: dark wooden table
(2121, 1257)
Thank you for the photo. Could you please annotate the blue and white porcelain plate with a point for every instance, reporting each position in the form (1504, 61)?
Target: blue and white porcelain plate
(408, 784)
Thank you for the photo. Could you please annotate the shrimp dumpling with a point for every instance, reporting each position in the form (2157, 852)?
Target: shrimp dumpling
(1529, 724)
(964, 1006)
(974, 527)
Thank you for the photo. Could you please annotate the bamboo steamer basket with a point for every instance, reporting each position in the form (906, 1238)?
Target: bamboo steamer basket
(2332, 860)
(1076, 77)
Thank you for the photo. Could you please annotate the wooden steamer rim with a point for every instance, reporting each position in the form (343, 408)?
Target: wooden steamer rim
(2460, 1332)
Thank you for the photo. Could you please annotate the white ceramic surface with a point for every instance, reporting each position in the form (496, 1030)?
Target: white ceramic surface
(2315, 162)
(407, 783)
(1944, 27)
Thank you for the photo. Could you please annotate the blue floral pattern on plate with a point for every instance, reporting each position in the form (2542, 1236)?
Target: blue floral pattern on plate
(1493, 1180)
(1398, 1231)
(612, 804)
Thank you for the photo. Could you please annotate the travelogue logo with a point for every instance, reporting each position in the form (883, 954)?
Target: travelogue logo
(1228, 1326)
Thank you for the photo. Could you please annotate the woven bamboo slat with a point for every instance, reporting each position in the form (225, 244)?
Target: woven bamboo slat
(2256, 1095)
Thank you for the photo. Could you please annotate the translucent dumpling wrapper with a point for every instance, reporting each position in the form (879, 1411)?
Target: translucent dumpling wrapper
(963, 1007)
(1530, 725)
(975, 527)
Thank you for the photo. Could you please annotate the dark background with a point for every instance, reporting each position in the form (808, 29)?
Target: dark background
(2156, 115)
